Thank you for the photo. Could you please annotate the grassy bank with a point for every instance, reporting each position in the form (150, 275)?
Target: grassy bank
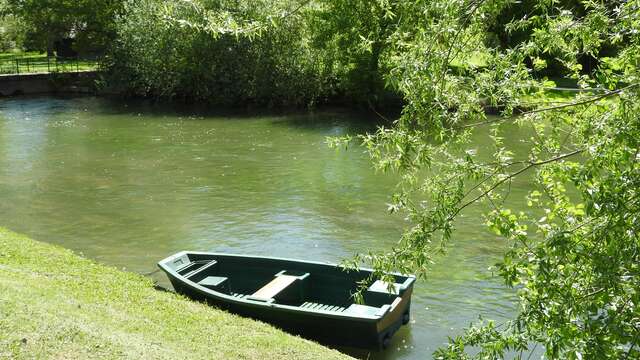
(55, 304)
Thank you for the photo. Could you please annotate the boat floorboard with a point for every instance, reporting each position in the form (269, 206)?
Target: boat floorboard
(306, 305)
(324, 307)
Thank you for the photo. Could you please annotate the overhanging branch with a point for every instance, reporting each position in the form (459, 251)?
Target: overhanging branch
(513, 175)
(553, 108)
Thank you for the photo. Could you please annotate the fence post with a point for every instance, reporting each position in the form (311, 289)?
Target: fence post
(48, 64)
(17, 67)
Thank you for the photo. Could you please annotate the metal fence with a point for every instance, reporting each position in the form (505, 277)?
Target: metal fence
(42, 64)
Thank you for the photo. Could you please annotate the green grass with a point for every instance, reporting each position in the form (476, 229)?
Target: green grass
(547, 98)
(11, 55)
(34, 62)
(55, 304)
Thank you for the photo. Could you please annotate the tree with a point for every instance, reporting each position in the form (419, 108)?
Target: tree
(11, 33)
(89, 22)
(574, 258)
(355, 34)
(223, 52)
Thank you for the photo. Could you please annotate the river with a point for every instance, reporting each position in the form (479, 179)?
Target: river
(128, 183)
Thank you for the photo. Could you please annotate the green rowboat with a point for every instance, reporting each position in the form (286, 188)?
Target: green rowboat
(311, 299)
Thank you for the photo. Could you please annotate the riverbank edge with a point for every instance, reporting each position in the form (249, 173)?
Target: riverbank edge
(96, 83)
(56, 304)
(78, 82)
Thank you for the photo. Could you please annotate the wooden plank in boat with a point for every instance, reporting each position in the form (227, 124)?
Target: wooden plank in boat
(273, 288)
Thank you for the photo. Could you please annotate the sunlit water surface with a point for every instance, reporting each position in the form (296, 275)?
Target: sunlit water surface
(128, 184)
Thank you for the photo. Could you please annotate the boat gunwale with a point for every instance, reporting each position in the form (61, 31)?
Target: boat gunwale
(163, 265)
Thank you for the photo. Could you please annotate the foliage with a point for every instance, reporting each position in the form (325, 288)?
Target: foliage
(12, 34)
(354, 35)
(307, 51)
(89, 22)
(224, 52)
(573, 258)
(507, 36)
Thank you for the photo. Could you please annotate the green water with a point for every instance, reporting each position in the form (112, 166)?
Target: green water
(128, 184)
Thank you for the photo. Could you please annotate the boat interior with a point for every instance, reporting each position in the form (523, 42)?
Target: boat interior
(310, 286)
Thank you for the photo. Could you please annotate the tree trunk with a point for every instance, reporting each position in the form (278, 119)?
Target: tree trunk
(373, 76)
(50, 47)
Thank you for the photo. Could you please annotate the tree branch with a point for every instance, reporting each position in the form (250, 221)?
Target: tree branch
(584, 102)
(513, 175)
(552, 108)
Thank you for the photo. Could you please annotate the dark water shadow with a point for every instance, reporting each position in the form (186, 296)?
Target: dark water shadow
(340, 122)
(348, 120)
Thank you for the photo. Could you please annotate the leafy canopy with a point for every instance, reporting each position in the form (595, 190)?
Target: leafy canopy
(225, 52)
(90, 22)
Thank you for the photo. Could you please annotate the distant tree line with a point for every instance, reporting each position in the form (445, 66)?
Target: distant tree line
(265, 52)
(304, 52)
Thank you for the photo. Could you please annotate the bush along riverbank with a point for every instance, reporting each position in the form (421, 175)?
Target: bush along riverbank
(55, 304)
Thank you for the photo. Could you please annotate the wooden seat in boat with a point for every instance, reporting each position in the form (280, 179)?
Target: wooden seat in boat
(274, 287)
(285, 287)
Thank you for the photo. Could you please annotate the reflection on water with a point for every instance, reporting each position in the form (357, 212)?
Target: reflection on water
(128, 184)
